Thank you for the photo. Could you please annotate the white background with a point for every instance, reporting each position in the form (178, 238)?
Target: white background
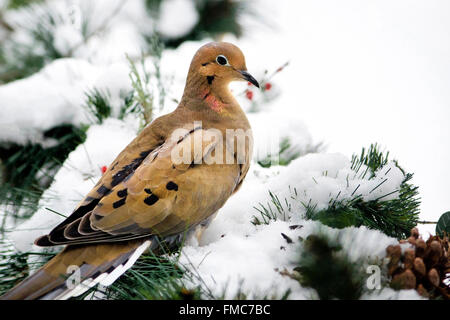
(369, 71)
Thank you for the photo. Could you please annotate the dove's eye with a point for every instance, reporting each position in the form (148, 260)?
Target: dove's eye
(222, 60)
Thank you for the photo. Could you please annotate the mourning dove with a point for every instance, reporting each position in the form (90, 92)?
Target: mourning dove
(171, 179)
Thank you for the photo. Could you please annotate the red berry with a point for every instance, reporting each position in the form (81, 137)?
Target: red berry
(249, 94)
(104, 168)
(268, 86)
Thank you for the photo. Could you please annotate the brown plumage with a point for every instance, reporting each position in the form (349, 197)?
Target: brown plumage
(146, 196)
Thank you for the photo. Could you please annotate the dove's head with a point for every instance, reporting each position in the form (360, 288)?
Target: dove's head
(213, 67)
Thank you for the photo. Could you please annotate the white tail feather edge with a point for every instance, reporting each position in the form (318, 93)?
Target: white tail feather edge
(105, 279)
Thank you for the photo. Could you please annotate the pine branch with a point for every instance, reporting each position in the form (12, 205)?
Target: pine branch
(394, 217)
(143, 98)
(97, 103)
(324, 267)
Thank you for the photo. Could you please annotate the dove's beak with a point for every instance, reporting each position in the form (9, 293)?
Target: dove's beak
(247, 76)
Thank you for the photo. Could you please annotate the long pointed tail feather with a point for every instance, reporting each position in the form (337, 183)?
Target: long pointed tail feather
(95, 263)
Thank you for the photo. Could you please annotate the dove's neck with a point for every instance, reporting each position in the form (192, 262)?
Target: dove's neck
(209, 92)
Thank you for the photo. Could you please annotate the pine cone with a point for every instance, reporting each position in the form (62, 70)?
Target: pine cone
(425, 266)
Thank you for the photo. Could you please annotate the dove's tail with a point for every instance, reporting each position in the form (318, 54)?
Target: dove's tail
(78, 268)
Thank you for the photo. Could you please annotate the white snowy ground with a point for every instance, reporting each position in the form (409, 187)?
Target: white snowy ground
(359, 73)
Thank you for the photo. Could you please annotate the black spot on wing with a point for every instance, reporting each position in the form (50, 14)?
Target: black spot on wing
(122, 193)
(119, 203)
(171, 186)
(151, 200)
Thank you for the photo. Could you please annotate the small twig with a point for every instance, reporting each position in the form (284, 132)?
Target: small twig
(426, 222)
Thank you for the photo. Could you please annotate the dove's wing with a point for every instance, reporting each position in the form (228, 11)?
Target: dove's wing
(155, 195)
(123, 165)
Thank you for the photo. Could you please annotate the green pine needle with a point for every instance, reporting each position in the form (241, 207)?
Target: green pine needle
(98, 104)
(394, 217)
(323, 266)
